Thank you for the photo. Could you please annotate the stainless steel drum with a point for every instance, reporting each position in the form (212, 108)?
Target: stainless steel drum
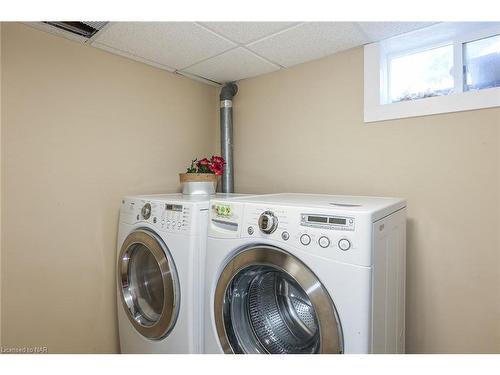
(268, 301)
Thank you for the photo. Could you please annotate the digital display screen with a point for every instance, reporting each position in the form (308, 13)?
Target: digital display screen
(317, 219)
(223, 210)
(337, 220)
(173, 207)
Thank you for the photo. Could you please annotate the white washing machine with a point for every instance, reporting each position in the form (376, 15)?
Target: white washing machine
(298, 273)
(160, 264)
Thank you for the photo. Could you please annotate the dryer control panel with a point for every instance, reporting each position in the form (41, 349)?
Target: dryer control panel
(171, 217)
(175, 217)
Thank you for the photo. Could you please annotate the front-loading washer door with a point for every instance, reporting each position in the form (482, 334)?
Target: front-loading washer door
(149, 284)
(268, 301)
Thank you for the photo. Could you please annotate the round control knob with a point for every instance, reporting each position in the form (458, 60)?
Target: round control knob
(146, 211)
(285, 235)
(305, 239)
(268, 222)
(344, 244)
(324, 242)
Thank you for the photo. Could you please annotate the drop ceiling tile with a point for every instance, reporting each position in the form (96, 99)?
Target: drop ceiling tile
(309, 41)
(132, 57)
(246, 32)
(231, 66)
(173, 44)
(382, 30)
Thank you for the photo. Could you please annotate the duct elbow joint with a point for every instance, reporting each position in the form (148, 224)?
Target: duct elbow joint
(228, 91)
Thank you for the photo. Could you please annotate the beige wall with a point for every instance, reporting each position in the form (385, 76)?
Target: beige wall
(302, 130)
(80, 129)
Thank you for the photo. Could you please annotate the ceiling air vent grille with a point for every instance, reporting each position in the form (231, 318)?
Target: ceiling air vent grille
(85, 29)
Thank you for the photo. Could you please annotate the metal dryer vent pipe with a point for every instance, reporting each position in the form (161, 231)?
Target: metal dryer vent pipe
(227, 93)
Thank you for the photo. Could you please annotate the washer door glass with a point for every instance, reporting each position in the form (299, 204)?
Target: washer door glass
(268, 301)
(149, 284)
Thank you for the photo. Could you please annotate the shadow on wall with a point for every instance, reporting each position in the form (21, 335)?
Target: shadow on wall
(416, 310)
(115, 273)
(410, 259)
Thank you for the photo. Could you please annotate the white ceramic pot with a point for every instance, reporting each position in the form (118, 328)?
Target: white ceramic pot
(198, 183)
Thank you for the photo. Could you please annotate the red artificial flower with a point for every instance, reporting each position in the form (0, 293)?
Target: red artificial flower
(214, 165)
(216, 169)
(203, 162)
(217, 164)
(218, 160)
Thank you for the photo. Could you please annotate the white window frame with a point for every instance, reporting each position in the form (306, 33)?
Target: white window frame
(376, 105)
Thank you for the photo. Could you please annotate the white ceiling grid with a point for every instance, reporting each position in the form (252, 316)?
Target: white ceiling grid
(230, 51)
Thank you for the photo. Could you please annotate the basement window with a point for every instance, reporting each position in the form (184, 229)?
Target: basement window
(482, 63)
(421, 74)
(447, 67)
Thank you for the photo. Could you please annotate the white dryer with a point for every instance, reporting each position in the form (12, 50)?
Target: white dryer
(160, 263)
(298, 273)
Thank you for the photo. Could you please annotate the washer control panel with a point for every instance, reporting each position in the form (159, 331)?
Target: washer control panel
(331, 233)
(318, 233)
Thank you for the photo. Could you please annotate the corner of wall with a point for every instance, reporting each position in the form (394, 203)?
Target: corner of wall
(0, 184)
(216, 122)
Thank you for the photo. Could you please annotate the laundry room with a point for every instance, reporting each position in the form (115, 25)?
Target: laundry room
(283, 185)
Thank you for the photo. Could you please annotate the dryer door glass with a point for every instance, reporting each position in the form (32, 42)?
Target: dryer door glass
(268, 301)
(149, 284)
(145, 285)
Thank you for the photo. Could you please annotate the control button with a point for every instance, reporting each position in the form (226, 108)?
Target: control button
(154, 220)
(344, 244)
(285, 235)
(138, 217)
(305, 239)
(268, 222)
(250, 230)
(324, 242)
(146, 211)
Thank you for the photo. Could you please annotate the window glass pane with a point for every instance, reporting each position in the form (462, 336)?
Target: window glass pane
(482, 63)
(421, 74)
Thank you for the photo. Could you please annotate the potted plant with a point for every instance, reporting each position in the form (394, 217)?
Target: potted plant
(201, 177)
